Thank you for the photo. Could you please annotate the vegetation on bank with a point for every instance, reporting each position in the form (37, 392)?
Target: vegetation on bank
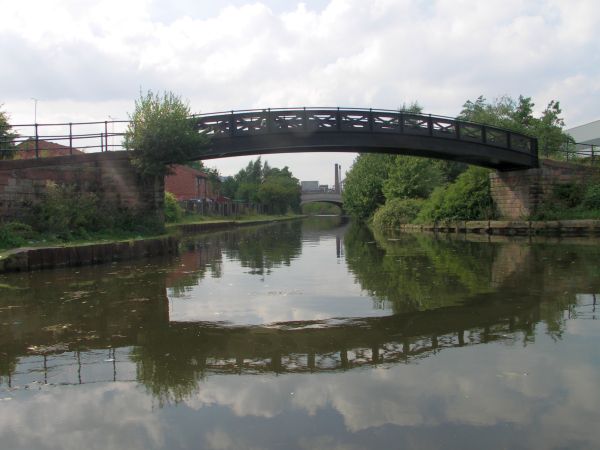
(572, 201)
(62, 221)
(160, 134)
(7, 137)
(393, 190)
(274, 190)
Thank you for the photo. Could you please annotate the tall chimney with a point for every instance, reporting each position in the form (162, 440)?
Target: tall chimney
(337, 179)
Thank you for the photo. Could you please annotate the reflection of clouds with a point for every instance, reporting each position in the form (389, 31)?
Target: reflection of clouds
(288, 293)
(487, 386)
(222, 440)
(105, 416)
(322, 442)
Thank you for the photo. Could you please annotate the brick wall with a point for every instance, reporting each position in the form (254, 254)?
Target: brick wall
(109, 175)
(189, 184)
(517, 194)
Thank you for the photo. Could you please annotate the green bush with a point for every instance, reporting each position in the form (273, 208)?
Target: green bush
(568, 195)
(591, 198)
(15, 234)
(396, 212)
(468, 198)
(173, 212)
(67, 211)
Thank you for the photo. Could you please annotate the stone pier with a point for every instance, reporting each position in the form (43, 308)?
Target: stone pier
(518, 194)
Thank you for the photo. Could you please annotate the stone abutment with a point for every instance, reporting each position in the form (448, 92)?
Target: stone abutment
(23, 183)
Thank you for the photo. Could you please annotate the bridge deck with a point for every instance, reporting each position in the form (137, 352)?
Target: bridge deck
(354, 130)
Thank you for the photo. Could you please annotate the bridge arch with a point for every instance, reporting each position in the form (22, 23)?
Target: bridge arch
(296, 130)
(335, 198)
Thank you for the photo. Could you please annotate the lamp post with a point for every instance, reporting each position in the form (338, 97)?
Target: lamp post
(35, 100)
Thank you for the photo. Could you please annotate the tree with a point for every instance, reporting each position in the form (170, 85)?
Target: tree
(468, 198)
(280, 191)
(412, 177)
(7, 137)
(363, 187)
(517, 115)
(161, 134)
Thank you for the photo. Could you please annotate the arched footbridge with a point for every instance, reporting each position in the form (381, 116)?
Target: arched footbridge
(293, 130)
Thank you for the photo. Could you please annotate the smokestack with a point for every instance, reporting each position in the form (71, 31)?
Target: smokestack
(337, 179)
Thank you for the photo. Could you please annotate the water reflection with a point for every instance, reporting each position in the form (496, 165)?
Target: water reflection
(451, 342)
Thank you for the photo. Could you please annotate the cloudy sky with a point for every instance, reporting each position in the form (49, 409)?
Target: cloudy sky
(89, 59)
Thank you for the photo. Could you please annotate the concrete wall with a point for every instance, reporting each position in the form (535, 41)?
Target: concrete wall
(518, 194)
(109, 175)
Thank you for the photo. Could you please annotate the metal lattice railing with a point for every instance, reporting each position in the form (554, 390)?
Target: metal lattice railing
(35, 140)
(311, 120)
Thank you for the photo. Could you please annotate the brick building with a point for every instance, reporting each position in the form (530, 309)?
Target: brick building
(190, 184)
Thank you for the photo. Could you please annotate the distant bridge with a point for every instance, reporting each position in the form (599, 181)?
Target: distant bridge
(295, 130)
(321, 196)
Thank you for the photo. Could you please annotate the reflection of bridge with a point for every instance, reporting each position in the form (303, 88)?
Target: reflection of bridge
(265, 131)
(320, 196)
(208, 349)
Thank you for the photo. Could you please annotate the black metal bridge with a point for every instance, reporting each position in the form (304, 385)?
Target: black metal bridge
(294, 130)
(250, 132)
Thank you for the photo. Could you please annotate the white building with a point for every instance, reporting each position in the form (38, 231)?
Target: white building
(588, 133)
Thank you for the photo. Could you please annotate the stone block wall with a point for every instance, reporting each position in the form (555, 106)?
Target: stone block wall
(110, 175)
(518, 194)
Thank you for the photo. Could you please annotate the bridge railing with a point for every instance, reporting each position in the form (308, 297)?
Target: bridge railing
(108, 135)
(311, 120)
(38, 139)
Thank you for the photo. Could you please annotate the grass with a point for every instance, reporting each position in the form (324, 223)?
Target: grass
(36, 240)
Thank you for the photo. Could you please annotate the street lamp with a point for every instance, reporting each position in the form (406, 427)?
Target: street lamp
(35, 100)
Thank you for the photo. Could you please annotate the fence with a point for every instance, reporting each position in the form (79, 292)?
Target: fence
(36, 140)
(580, 153)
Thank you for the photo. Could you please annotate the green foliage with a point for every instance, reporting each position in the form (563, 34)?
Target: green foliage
(70, 213)
(363, 187)
(411, 177)
(260, 184)
(567, 195)
(15, 234)
(571, 201)
(468, 198)
(161, 133)
(396, 212)
(7, 137)
(517, 115)
(280, 192)
(67, 211)
(591, 198)
(173, 212)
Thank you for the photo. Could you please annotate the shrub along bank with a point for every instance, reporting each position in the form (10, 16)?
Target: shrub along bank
(395, 190)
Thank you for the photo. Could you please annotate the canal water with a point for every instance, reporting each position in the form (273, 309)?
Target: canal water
(313, 334)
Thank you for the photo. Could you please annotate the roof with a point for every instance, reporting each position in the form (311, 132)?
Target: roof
(588, 133)
(178, 168)
(46, 149)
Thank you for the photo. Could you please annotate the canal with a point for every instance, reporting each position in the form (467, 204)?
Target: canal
(312, 334)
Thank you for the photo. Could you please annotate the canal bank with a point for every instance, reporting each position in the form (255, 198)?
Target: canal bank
(563, 228)
(38, 258)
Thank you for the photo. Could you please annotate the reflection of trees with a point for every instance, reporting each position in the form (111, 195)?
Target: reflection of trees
(415, 272)
(264, 248)
(324, 224)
